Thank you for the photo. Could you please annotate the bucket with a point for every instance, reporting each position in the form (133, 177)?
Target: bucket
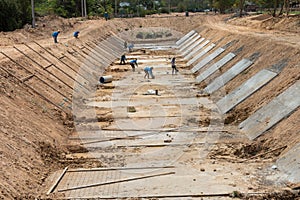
(105, 79)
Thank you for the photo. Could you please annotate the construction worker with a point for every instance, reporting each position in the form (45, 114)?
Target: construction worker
(130, 47)
(106, 16)
(54, 35)
(173, 64)
(148, 72)
(123, 60)
(133, 63)
(76, 34)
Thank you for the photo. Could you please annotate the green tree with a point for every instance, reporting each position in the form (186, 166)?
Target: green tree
(99, 7)
(223, 5)
(66, 8)
(14, 14)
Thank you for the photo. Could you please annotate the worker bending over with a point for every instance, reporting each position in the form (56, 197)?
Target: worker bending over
(133, 63)
(148, 72)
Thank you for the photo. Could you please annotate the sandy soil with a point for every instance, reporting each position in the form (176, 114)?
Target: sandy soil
(35, 134)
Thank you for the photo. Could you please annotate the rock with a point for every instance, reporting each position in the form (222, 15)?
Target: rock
(131, 109)
(202, 170)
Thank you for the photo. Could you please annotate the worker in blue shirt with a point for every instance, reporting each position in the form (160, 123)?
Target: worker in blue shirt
(130, 47)
(54, 35)
(106, 16)
(76, 34)
(148, 72)
(133, 63)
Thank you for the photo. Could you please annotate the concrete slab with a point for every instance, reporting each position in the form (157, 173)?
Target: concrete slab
(202, 53)
(185, 37)
(125, 103)
(187, 40)
(269, 115)
(163, 46)
(228, 75)
(289, 164)
(187, 45)
(207, 59)
(188, 50)
(215, 67)
(192, 54)
(171, 119)
(245, 90)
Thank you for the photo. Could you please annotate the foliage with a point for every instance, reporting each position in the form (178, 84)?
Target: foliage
(66, 8)
(14, 14)
(99, 7)
(223, 5)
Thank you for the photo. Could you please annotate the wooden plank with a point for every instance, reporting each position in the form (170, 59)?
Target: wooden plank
(27, 78)
(118, 168)
(179, 196)
(111, 139)
(48, 66)
(57, 181)
(164, 130)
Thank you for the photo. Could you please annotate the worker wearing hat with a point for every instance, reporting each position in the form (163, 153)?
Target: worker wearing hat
(54, 35)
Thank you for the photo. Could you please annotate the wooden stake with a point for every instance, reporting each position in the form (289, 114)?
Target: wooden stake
(28, 77)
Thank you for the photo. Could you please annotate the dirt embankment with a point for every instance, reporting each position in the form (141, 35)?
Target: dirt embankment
(35, 134)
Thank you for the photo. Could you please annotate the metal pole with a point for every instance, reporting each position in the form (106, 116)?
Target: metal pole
(138, 8)
(85, 10)
(116, 8)
(82, 12)
(169, 6)
(32, 13)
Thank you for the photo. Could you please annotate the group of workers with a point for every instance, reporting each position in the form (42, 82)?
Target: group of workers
(133, 63)
(76, 33)
(148, 70)
(56, 33)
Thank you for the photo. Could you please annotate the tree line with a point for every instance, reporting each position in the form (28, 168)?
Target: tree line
(16, 13)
